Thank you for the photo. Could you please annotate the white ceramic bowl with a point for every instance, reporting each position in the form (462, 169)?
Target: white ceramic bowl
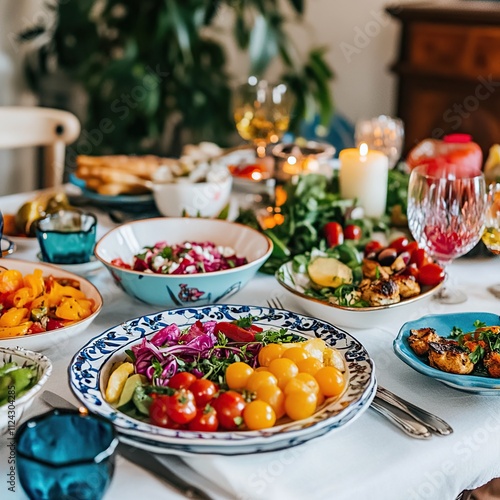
(170, 290)
(19, 405)
(352, 317)
(201, 199)
(45, 340)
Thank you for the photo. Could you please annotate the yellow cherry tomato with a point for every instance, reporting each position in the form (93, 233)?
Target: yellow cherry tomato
(330, 380)
(296, 354)
(260, 378)
(272, 395)
(258, 415)
(283, 369)
(237, 375)
(300, 404)
(309, 381)
(270, 352)
(309, 365)
(295, 384)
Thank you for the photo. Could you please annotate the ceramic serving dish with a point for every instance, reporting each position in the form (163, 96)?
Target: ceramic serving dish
(45, 340)
(295, 284)
(170, 290)
(91, 367)
(443, 325)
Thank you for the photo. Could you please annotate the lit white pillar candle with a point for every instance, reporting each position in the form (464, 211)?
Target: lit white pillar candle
(363, 176)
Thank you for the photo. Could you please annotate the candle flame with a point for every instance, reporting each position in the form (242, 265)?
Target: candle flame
(363, 149)
(292, 160)
(256, 176)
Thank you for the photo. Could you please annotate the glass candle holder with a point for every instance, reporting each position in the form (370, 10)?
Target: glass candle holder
(67, 237)
(66, 454)
(384, 134)
(295, 159)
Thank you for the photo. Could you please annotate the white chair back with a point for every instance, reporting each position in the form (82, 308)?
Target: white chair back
(33, 126)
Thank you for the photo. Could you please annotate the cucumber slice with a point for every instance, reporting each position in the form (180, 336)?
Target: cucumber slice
(329, 272)
(129, 388)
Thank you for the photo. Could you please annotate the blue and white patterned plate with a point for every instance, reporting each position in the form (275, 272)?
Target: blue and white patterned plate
(91, 367)
(443, 324)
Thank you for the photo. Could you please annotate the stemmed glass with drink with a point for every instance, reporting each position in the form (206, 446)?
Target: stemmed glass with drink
(491, 235)
(262, 112)
(446, 211)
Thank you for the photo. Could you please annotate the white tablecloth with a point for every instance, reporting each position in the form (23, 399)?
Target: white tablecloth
(368, 459)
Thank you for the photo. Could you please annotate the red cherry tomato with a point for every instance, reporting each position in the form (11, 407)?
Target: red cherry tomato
(158, 412)
(399, 244)
(411, 247)
(373, 246)
(205, 420)
(229, 407)
(411, 270)
(181, 380)
(181, 407)
(420, 258)
(430, 275)
(203, 391)
(353, 232)
(334, 234)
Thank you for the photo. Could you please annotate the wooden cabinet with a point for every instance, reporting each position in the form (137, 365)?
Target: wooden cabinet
(449, 70)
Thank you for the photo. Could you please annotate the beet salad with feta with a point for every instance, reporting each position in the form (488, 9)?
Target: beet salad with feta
(186, 258)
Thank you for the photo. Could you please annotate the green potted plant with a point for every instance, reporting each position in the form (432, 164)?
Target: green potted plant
(153, 69)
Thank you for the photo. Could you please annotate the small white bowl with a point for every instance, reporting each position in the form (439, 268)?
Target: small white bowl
(170, 290)
(23, 358)
(199, 199)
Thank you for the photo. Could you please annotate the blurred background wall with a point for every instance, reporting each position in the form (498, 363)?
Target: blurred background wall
(362, 42)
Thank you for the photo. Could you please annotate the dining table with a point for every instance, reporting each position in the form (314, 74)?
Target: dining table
(367, 459)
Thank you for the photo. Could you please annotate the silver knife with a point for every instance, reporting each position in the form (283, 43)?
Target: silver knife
(139, 457)
(407, 424)
(432, 422)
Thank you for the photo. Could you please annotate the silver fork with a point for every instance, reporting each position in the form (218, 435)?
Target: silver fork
(400, 416)
(275, 303)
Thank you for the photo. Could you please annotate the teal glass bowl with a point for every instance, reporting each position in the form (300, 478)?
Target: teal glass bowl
(66, 454)
(67, 237)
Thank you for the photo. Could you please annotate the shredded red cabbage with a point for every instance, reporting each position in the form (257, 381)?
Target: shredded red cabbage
(170, 350)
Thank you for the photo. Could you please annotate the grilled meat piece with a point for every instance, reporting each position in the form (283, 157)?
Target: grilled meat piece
(492, 363)
(408, 286)
(373, 270)
(419, 340)
(449, 357)
(380, 292)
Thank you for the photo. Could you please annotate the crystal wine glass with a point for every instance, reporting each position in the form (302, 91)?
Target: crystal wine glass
(491, 235)
(383, 133)
(262, 112)
(446, 214)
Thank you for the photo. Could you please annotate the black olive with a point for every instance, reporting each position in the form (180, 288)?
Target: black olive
(387, 256)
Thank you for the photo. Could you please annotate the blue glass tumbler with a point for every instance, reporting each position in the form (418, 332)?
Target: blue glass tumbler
(66, 454)
(67, 237)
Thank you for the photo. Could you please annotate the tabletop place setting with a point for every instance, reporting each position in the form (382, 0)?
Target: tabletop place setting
(266, 304)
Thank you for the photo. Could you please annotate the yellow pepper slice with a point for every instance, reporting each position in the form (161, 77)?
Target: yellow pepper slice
(14, 316)
(15, 331)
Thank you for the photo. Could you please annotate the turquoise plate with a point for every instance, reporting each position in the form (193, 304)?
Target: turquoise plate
(443, 324)
(138, 201)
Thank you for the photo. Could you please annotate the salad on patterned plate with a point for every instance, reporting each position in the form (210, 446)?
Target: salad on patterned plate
(225, 376)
